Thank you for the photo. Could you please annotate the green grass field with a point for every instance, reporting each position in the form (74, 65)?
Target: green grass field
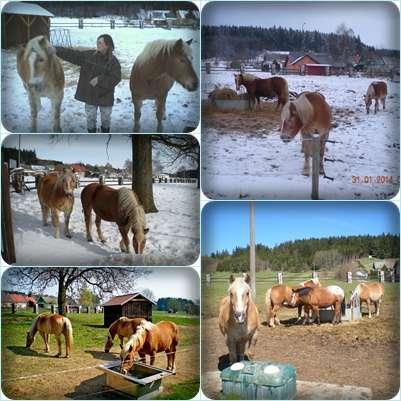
(89, 337)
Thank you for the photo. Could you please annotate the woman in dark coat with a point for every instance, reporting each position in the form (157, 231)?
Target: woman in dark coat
(100, 73)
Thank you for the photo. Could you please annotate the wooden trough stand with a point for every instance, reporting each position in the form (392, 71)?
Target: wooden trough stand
(142, 382)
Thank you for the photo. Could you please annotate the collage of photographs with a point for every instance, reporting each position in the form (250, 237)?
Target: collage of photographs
(200, 200)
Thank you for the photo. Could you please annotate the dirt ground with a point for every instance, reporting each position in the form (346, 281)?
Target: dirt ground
(364, 353)
(78, 378)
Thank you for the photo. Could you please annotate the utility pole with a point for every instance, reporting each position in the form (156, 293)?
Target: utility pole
(252, 258)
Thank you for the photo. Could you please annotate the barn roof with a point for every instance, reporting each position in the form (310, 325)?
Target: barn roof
(14, 7)
(18, 298)
(123, 299)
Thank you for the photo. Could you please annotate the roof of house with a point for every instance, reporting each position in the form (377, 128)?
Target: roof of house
(18, 298)
(14, 7)
(319, 58)
(123, 299)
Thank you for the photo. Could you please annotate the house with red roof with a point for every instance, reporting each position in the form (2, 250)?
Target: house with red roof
(21, 300)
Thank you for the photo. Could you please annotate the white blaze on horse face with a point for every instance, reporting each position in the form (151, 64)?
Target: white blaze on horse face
(239, 297)
(293, 298)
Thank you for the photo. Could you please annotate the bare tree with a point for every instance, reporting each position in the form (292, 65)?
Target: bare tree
(100, 279)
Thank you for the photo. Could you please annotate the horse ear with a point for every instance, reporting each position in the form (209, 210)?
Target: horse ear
(145, 230)
(189, 42)
(178, 44)
(130, 349)
(247, 278)
(293, 109)
(232, 279)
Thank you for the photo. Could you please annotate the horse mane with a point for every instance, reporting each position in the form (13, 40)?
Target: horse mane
(304, 108)
(303, 291)
(34, 46)
(130, 207)
(139, 337)
(34, 323)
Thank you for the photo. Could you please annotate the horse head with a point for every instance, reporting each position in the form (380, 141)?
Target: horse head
(67, 181)
(109, 343)
(368, 102)
(239, 80)
(139, 240)
(290, 122)
(240, 294)
(29, 339)
(298, 293)
(180, 68)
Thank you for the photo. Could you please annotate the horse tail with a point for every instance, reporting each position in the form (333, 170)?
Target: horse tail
(268, 304)
(69, 339)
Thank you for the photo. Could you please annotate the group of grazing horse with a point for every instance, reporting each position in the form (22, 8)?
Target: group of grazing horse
(122, 206)
(309, 113)
(239, 319)
(156, 68)
(144, 338)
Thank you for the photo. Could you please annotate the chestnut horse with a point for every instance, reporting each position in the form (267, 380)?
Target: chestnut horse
(56, 193)
(257, 88)
(43, 76)
(377, 91)
(309, 113)
(369, 293)
(239, 318)
(121, 206)
(48, 324)
(149, 339)
(156, 68)
(316, 298)
(123, 327)
(281, 295)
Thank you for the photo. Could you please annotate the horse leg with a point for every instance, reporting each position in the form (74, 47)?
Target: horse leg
(56, 105)
(306, 150)
(376, 105)
(384, 103)
(98, 222)
(232, 350)
(67, 216)
(252, 345)
(58, 345)
(45, 341)
(378, 307)
(124, 243)
(34, 111)
(370, 312)
(121, 341)
(45, 214)
(299, 314)
(160, 112)
(276, 320)
(56, 221)
(316, 310)
(152, 358)
(88, 221)
(241, 350)
(137, 113)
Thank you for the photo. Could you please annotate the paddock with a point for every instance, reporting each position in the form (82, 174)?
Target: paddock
(364, 353)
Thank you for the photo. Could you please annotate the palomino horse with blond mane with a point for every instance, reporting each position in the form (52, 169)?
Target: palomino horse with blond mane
(149, 339)
(47, 324)
(157, 67)
(369, 293)
(239, 318)
(123, 327)
(43, 76)
(121, 206)
(257, 88)
(310, 114)
(281, 295)
(56, 193)
(377, 91)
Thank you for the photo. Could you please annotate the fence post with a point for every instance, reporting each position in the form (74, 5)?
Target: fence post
(315, 166)
(208, 68)
(208, 279)
(53, 308)
(280, 277)
(381, 276)
(13, 308)
(112, 24)
(120, 180)
(80, 23)
(36, 309)
(314, 274)
(349, 277)
(101, 179)
(7, 234)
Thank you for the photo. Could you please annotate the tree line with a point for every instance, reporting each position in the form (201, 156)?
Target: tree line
(306, 254)
(177, 305)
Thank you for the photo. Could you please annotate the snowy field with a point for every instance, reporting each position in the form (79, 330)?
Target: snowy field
(173, 238)
(182, 107)
(258, 165)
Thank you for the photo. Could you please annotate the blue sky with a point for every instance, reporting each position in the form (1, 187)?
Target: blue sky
(225, 225)
(377, 23)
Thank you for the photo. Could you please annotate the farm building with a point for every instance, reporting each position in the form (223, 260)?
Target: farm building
(22, 301)
(22, 22)
(313, 64)
(80, 169)
(130, 305)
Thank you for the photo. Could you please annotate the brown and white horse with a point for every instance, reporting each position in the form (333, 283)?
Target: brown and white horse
(123, 327)
(121, 206)
(239, 318)
(47, 324)
(43, 76)
(257, 88)
(157, 67)
(377, 91)
(369, 293)
(281, 295)
(149, 339)
(56, 193)
(310, 114)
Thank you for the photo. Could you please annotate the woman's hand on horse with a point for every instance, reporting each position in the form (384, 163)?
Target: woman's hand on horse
(93, 81)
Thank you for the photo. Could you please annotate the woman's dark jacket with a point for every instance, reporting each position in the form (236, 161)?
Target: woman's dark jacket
(94, 64)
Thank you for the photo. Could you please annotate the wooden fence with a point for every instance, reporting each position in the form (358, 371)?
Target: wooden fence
(7, 236)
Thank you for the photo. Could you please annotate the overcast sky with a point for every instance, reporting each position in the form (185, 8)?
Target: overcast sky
(377, 23)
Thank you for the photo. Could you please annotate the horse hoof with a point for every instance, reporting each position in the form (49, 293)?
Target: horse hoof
(67, 356)
(58, 356)
(89, 239)
(68, 236)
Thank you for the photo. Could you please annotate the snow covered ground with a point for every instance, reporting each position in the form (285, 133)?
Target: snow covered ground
(182, 107)
(258, 165)
(173, 238)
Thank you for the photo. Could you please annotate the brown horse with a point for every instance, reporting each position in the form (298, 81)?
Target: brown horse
(121, 206)
(239, 318)
(56, 193)
(369, 293)
(43, 76)
(149, 339)
(377, 91)
(257, 88)
(123, 327)
(315, 298)
(309, 113)
(48, 324)
(281, 295)
(156, 68)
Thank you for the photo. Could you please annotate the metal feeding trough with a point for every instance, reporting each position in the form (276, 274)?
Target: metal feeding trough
(352, 312)
(142, 382)
(248, 380)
